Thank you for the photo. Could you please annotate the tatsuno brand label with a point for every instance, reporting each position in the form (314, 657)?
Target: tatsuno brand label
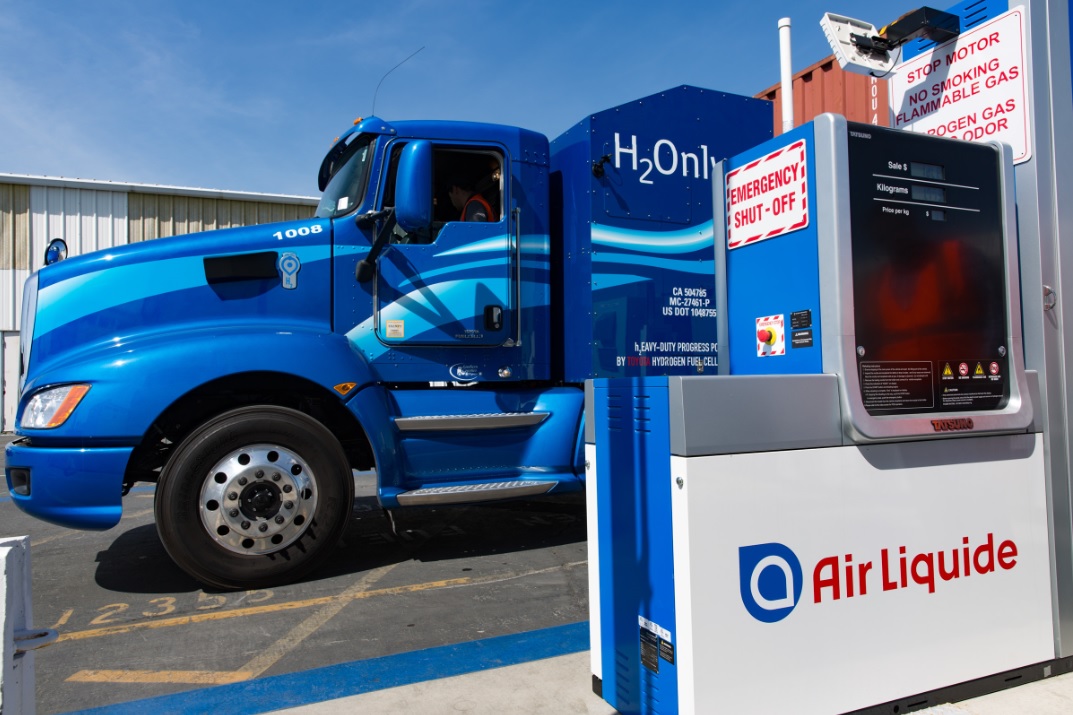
(773, 580)
(953, 425)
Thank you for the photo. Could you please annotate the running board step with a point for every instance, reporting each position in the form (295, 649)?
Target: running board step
(473, 493)
(445, 423)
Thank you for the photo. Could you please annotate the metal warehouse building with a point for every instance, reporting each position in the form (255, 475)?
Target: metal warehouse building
(91, 215)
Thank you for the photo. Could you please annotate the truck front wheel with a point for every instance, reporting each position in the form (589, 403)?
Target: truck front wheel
(255, 497)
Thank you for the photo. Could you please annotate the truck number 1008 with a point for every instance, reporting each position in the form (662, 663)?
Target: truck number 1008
(295, 232)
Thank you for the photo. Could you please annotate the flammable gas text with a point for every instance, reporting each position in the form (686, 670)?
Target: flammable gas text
(838, 577)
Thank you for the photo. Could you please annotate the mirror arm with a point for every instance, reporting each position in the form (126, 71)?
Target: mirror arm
(366, 266)
(370, 217)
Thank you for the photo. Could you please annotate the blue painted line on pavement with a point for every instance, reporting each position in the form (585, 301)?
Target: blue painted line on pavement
(363, 676)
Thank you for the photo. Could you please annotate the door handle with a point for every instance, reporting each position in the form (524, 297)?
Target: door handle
(493, 318)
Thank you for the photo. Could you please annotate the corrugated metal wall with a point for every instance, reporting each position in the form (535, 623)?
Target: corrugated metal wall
(14, 226)
(160, 215)
(15, 239)
(88, 220)
(14, 267)
(825, 87)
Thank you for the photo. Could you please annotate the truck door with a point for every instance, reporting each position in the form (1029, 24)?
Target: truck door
(454, 283)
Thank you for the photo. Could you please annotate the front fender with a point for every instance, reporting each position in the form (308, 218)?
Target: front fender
(133, 382)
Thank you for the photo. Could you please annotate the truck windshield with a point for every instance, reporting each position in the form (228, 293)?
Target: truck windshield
(345, 171)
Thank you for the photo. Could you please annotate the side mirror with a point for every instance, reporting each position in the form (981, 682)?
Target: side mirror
(56, 251)
(413, 187)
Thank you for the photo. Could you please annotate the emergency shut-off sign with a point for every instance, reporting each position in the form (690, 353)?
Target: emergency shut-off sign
(767, 197)
(973, 87)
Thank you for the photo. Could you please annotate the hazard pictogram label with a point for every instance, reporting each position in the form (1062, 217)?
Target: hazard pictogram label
(979, 370)
(947, 372)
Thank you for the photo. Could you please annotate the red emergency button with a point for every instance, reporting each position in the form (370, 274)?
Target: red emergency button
(766, 336)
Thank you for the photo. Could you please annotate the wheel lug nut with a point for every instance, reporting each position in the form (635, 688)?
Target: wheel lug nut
(242, 481)
(232, 496)
(288, 505)
(287, 488)
(260, 473)
(233, 513)
(263, 527)
(280, 519)
(275, 477)
(245, 525)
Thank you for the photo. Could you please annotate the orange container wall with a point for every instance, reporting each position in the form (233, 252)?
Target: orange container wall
(825, 87)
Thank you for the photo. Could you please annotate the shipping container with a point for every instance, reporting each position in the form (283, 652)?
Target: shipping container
(825, 87)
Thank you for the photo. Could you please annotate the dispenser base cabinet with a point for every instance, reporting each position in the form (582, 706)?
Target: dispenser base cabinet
(818, 580)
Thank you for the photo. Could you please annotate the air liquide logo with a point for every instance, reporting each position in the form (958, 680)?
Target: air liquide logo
(770, 581)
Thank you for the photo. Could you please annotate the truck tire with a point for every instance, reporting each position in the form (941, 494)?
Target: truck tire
(255, 497)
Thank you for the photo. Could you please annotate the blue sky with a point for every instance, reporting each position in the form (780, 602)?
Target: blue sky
(248, 96)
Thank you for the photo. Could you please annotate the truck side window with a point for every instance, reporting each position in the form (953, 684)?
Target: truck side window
(469, 182)
(481, 172)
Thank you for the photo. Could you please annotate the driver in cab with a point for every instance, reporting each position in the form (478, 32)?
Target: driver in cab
(470, 205)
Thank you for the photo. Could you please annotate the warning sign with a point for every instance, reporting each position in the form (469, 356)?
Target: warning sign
(896, 386)
(767, 197)
(973, 87)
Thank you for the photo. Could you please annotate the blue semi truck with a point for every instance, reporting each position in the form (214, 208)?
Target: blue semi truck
(248, 371)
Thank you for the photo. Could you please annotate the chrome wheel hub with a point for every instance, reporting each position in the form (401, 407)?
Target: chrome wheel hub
(258, 499)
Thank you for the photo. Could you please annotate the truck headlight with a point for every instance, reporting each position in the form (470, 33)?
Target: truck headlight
(51, 408)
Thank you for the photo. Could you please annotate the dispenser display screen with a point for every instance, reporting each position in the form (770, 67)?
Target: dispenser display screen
(929, 283)
(927, 171)
(934, 194)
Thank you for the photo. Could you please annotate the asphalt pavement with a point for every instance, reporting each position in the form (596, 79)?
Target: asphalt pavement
(133, 626)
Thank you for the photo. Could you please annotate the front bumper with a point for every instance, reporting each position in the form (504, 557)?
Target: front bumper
(80, 488)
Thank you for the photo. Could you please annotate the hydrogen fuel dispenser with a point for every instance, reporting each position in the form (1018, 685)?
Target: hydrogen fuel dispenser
(853, 511)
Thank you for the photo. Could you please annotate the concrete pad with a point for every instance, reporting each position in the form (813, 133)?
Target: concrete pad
(553, 686)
